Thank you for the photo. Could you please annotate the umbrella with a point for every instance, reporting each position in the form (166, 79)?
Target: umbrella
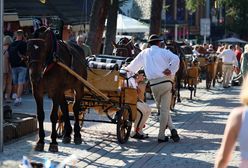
(130, 25)
(232, 40)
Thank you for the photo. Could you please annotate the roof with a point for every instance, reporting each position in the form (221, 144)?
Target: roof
(70, 11)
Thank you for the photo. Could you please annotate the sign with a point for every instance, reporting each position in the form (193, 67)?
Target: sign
(205, 27)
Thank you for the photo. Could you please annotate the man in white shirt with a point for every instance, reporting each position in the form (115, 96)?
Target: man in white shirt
(229, 60)
(160, 66)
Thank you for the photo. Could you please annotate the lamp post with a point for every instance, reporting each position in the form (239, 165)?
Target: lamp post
(1, 76)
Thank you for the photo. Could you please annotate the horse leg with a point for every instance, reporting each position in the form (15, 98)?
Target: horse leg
(67, 128)
(54, 118)
(195, 90)
(178, 91)
(77, 129)
(40, 116)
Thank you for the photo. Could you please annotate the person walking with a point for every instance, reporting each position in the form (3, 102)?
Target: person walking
(17, 51)
(160, 66)
(7, 77)
(229, 60)
(244, 61)
(236, 129)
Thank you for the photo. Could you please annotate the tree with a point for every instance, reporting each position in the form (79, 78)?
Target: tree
(192, 5)
(111, 27)
(155, 19)
(97, 22)
(236, 11)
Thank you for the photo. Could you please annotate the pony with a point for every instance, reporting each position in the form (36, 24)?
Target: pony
(125, 47)
(47, 76)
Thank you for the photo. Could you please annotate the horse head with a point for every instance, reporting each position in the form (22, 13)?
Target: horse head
(125, 47)
(40, 51)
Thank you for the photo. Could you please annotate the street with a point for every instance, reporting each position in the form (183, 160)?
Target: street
(200, 123)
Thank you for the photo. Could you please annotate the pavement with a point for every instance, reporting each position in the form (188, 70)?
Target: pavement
(200, 123)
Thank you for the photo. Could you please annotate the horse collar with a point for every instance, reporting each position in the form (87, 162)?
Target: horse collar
(48, 68)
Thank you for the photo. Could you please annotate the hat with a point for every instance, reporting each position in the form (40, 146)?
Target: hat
(154, 37)
(19, 32)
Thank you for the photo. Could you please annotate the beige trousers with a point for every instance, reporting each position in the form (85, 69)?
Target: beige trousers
(227, 74)
(162, 95)
(143, 114)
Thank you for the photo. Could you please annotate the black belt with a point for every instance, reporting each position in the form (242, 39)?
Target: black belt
(161, 82)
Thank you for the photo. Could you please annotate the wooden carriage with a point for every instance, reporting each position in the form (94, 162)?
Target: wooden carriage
(106, 92)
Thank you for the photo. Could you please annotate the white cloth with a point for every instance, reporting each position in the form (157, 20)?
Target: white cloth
(155, 60)
(229, 57)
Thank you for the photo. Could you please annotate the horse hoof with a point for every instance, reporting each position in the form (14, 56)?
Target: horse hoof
(39, 147)
(78, 141)
(53, 148)
(66, 140)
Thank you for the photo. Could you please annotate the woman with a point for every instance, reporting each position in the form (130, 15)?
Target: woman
(244, 61)
(7, 77)
(236, 129)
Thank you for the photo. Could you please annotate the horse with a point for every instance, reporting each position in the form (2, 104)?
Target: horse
(125, 47)
(182, 71)
(47, 76)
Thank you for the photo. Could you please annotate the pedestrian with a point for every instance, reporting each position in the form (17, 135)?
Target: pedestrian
(230, 61)
(236, 129)
(244, 61)
(81, 42)
(160, 66)
(7, 76)
(17, 51)
(238, 53)
(143, 109)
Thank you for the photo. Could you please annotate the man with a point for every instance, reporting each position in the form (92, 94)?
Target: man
(81, 42)
(160, 66)
(17, 51)
(229, 60)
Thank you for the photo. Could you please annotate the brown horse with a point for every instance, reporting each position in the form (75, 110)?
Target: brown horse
(182, 71)
(48, 77)
(125, 48)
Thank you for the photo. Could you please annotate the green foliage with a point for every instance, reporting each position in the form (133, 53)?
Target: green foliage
(237, 10)
(192, 5)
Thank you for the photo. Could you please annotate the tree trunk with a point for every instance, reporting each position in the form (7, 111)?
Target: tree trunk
(155, 19)
(111, 27)
(97, 21)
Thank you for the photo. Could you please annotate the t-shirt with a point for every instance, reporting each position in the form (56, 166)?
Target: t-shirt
(16, 49)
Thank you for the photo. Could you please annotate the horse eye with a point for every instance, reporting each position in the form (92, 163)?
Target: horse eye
(35, 46)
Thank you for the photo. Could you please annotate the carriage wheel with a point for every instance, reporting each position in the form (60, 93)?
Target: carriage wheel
(124, 124)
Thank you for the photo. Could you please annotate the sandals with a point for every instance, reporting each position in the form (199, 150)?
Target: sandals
(140, 136)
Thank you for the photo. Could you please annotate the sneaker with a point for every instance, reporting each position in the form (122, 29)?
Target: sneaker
(18, 101)
(14, 96)
(174, 136)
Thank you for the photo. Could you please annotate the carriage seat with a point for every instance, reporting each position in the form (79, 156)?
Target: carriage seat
(103, 65)
(120, 61)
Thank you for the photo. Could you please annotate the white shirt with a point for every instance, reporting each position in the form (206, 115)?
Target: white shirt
(229, 57)
(155, 60)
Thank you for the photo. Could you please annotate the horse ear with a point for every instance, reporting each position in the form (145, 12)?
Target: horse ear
(114, 44)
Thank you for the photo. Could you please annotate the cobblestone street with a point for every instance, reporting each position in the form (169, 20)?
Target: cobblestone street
(200, 123)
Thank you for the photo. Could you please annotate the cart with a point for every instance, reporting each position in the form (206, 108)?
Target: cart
(106, 93)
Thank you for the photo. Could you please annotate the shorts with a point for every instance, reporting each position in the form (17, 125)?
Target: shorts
(19, 75)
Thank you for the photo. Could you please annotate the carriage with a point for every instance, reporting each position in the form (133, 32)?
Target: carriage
(106, 93)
